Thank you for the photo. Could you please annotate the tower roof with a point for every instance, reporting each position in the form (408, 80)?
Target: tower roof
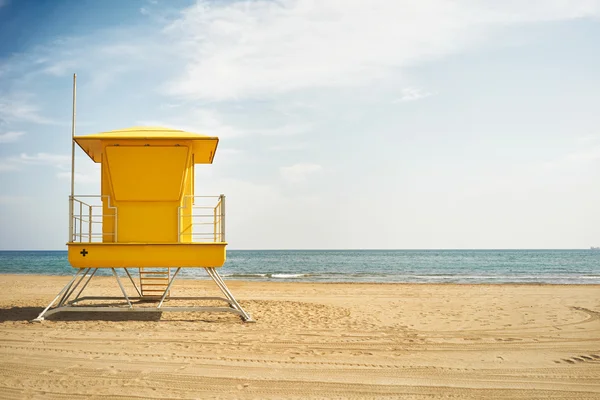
(203, 146)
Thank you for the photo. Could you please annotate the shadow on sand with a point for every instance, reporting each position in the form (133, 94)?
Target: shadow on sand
(26, 314)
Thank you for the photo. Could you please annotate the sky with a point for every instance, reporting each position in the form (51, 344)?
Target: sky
(429, 124)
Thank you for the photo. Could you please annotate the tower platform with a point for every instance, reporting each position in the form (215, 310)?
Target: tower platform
(134, 255)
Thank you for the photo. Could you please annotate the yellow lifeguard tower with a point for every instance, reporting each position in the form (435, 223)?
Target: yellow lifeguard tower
(147, 217)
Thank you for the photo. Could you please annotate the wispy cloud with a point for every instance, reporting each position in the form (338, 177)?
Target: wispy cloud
(588, 139)
(211, 122)
(56, 160)
(579, 157)
(102, 57)
(9, 137)
(584, 156)
(87, 171)
(412, 94)
(19, 107)
(8, 165)
(59, 161)
(235, 50)
(299, 172)
(205, 121)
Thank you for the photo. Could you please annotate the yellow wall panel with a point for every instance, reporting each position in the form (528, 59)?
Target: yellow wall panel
(147, 173)
(147, 222)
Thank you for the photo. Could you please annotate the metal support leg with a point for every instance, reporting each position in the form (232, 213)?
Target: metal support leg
(122, 288)
(133, 283)
(71, 291)
(221, 284)
(168, 288)
(40, 317)
(84, 286)
(68, 289)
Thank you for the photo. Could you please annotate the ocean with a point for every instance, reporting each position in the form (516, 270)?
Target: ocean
(421, 266)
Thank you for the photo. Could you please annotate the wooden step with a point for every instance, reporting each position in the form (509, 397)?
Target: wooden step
(153, 283)
(155, 279)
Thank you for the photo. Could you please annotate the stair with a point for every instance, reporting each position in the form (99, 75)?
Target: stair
(154, 281)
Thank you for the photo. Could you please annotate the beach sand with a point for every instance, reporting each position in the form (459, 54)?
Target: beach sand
(311, 340)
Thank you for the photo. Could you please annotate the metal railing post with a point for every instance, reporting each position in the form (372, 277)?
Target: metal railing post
(80, 221)
(215, 222)
(222, 217)
(71, 218)
(90, 225)
(74, 226)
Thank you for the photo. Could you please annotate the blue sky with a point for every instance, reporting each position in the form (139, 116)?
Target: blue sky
(409, 125)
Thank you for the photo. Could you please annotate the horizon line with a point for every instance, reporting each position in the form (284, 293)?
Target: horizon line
(363, 249)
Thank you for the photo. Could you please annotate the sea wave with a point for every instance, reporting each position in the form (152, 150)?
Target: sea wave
(285, 276)
(268, 275)
(418, 278)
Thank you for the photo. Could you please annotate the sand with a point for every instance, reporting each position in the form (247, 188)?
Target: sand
(311, 340)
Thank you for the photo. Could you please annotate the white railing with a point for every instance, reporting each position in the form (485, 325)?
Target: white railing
(87, 215)
(201, 220)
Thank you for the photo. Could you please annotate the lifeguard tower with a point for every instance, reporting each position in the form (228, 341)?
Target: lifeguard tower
(147, 217)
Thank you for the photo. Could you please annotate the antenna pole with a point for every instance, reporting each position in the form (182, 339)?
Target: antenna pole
(71, 197)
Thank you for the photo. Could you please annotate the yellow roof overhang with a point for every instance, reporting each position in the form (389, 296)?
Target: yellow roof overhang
(203, 147)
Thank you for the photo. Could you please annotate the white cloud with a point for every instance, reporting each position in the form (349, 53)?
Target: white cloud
(56, 160)
(584, 156)
(588, 139)
(18, 107)
(206, 121)
(211, 122)
(235, 50)
(412, 94)
(299, 172)
(9, 137)
(7, 165)
(580, 157)
(100, 58)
